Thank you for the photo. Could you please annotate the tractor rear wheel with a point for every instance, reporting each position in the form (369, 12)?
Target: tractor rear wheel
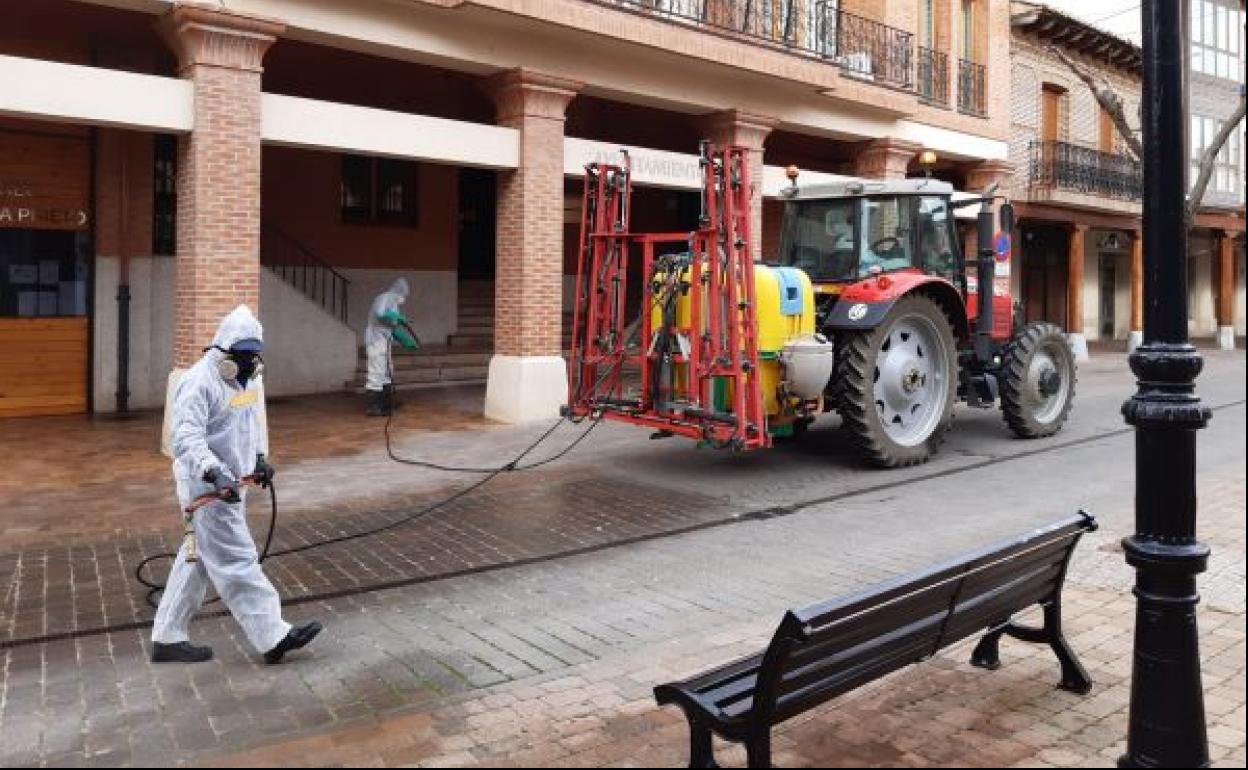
(1037, 381)
(896, 383)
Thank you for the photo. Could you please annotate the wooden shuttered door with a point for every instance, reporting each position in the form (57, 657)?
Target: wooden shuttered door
(45, 267)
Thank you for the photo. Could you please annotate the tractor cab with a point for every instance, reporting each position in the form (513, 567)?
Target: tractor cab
(846, 232)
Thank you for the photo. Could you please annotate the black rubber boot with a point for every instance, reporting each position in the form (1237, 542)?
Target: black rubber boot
(391, 398)
(298, 637)
(376, 404)
(180, 652)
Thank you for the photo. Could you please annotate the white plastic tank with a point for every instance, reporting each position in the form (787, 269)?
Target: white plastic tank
(808, 363)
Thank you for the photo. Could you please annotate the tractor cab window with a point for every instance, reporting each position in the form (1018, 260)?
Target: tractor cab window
(886, 235)
(819, 237)
(937, 249)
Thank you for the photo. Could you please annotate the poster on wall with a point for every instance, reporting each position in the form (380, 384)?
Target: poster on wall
(27, 303)
(49, 272)
(73, 298)
(22, 275)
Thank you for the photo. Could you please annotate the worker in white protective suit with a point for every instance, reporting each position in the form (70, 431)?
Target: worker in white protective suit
(216, 441)
(386, 323)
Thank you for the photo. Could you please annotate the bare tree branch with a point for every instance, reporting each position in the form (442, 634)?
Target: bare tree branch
(1107, 98)
(1208, 159)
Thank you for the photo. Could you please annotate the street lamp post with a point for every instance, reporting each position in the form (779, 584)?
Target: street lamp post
(1167, 721)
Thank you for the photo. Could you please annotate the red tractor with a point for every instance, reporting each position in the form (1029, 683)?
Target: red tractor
(867, 309)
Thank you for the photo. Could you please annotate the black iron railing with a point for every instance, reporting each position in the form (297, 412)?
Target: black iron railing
(302, 269)
(869, 49)
(932, 82)
(816, 28)
(972, 88)
(1070, 167)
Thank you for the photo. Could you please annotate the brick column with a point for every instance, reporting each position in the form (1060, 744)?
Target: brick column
(528, 376)
(1136, 337)
(218, 231)
(1226, 290)
(743, 129)
(1074, 291)
(886, 158)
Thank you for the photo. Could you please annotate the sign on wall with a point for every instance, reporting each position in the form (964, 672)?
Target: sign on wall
(44, 181)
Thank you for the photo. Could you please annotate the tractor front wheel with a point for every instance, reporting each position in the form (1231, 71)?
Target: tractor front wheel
(896, 384)
(1037, 381)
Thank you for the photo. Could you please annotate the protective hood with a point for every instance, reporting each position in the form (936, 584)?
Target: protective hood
(401, 288)
(240, 324)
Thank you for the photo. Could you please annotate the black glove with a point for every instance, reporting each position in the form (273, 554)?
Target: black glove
(227, 488)
(264, 473)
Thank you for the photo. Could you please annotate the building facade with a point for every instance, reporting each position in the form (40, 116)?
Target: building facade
(161, 161)
(1216, 253)
(1078, 190)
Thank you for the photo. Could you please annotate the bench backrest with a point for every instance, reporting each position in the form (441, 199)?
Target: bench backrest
(832, 647)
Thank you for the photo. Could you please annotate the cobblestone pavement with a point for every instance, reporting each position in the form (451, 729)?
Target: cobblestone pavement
(90, 499)
(424, 673)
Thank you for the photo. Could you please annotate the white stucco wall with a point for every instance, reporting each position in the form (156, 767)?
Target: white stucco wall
(151, 331)
(309, 351)
(432, 307)
(1202, 318)
(306, 349)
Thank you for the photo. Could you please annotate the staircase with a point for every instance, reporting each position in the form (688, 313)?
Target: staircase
(465, 358)
(295, 264)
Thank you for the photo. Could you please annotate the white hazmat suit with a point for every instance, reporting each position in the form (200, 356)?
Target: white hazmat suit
(214, 427)
(378, 335)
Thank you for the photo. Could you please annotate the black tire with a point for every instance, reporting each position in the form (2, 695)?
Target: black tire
(1029, 410)
(855, 387)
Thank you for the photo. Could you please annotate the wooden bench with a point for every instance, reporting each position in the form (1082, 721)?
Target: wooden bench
(826, 649)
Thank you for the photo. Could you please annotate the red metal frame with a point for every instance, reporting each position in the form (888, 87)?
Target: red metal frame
(722, 334)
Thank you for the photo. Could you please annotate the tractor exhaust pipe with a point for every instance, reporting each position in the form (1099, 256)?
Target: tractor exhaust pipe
(986, 274)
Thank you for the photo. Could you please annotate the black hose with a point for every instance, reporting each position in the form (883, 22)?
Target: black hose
(155, 588)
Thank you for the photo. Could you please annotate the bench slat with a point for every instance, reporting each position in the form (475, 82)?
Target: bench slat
(829, 611)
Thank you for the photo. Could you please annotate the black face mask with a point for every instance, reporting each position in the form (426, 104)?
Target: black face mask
(249, 365)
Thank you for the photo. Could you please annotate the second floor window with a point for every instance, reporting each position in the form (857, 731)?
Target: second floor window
(1227, 179)
(1217, 32)
(378, 191)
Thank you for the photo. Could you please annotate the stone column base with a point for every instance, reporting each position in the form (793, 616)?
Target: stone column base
(1078, 346)
(526, 388)
(1226, 337)
(1134, 340)
(171, 386)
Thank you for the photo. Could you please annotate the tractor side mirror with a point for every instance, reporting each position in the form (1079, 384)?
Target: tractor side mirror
(1007, 218)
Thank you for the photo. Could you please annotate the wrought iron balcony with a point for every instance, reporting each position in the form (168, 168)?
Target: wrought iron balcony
(862, 47)
(972, 88)
(932, 82)
(1066, 166)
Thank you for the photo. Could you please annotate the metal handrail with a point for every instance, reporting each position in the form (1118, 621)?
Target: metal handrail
(299, 267)
(972, 88)
(932, 82)
(1081, 169)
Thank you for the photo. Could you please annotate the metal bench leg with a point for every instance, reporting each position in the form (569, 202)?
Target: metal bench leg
(701, 753)
(1074, 677)
(758, 750)
(987, 652)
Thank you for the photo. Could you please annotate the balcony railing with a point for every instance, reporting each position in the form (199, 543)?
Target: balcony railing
(932, 82)
(816, 28)
(972, 88)
(1070, 167)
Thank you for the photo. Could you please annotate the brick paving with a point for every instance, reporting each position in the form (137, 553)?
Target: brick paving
(424, 674)
(941, 712)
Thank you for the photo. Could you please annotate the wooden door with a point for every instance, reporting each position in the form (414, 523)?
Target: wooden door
(1105, 140)
(45, 272)
(1051, 103)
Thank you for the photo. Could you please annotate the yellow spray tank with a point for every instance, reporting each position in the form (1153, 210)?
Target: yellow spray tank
(795, 364)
